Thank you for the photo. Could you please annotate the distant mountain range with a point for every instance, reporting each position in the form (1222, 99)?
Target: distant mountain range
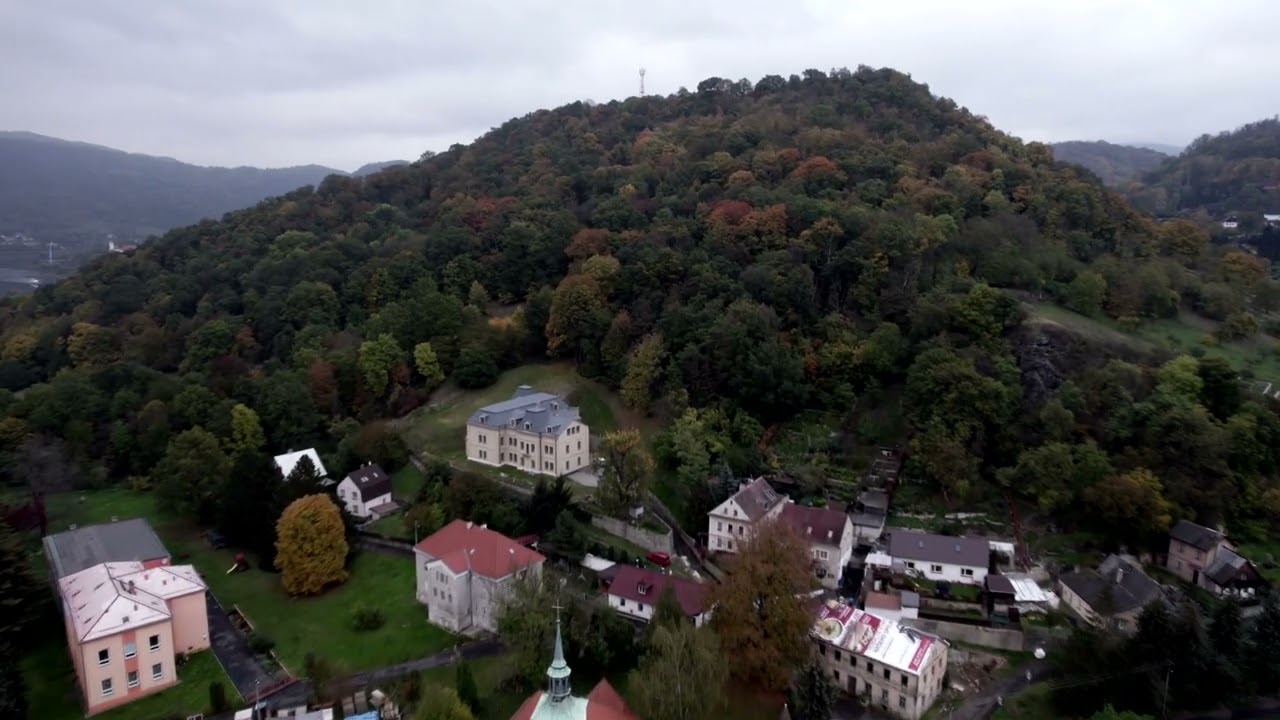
(1116, 165)
(76, 193)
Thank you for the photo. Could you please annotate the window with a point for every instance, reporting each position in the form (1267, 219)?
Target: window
(157, 671)
(154, 642)
(731, 543)
(133, 678)
(579, 444)
(837, 656)
(622, 602)
(106, 687)
(739, 529)
(836, 674)
(104, 657)
(719, 542)
(904, 680)
(566, 450)
(911, 566)
(935, 568)
(484, 439)
(822, 650)
(886, 673)
(967, 572)
(719, 526)
(884, 696)
(130, 649)
(902, 702)
(869, 667)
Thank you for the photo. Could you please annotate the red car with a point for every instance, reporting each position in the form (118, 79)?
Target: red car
(659, 558)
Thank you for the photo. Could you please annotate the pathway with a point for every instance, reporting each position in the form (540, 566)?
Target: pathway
(982, 705)
(232, 649)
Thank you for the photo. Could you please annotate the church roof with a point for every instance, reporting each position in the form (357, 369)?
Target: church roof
(602, 703)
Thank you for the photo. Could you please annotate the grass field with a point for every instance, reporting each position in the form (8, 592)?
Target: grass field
(297, 625)
(439, 427)
(51, 686)
(1257, 355)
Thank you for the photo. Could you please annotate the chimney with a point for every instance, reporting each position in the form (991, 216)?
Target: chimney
(1119, 575)
(468, 524)
(808, 530)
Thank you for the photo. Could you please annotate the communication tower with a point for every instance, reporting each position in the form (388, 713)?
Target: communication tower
(641, 82)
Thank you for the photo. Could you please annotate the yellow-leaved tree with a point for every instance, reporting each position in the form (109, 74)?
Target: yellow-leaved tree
(311, 545)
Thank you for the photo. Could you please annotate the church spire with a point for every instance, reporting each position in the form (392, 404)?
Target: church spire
(558, 674)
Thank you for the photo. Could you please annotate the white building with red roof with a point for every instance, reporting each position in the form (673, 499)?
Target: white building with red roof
(462, 571)
(882, 661)
(634, 591)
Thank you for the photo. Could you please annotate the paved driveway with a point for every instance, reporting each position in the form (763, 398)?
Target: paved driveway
(232, 650)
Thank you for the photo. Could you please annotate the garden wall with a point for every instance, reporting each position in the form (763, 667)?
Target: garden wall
(647, 539)
(999, 638)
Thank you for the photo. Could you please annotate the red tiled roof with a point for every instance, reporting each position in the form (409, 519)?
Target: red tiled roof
(461, 544)
(691, 595)
(822, 525)
(528, 706)
(604, 703)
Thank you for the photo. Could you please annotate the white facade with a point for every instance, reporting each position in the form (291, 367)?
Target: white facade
(349, 494)
(833, 554)
(644, 610)
(461, 602)
(536, 453)
(948, 572)
(731, 523)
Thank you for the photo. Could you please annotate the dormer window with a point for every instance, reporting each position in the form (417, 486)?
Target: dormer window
(640, 588)
(484, 419)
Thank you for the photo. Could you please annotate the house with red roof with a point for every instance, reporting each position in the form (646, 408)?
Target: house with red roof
(830, 535)
(634, 591)
(558, 702)
(463, 569)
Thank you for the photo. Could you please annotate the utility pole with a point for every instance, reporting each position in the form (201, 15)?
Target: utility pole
(1164, 703)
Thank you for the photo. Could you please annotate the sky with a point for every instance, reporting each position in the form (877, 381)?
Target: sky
(341, 83)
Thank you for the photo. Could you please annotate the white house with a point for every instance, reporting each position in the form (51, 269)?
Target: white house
(289, 461)
(940, 557)
(366, 492)
(538, 432)
(830, 535)
(634, 591)
(731, 522)
(1269, 219)
(463, 570)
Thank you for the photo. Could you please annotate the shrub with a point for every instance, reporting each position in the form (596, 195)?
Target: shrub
(366, 619)
(218, 697)
(180, 659)
(261, 644)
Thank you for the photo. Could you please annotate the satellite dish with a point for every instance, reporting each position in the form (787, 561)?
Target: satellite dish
(1039, 653)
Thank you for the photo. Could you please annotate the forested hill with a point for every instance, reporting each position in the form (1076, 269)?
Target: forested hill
(1115, 165)
(72, 192)
(1231, 173)
(726, 258)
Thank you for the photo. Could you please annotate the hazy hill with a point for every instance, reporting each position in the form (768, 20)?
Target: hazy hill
(1163, 148)
(73, 192)
(1235, 172)
(1116, 165)
(371, 168)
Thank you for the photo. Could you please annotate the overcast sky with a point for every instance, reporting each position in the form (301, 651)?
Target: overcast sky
(341, 83)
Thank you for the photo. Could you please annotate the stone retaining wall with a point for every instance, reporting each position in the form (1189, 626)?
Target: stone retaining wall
(647, 539)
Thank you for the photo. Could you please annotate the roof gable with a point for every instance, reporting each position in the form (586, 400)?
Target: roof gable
(927, 547)
(819, 525)
(757, 498)
(112, 597)
(1127, 584)
(646, 586)
(1197, 536)
(462, 546)
(370, 480)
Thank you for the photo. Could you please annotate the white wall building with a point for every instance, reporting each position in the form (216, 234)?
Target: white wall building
(830, 535)
(634, 591)
(537, 432)
(288, 461)
(730, 524)
(366, 492)
(941, 557)
(463, 570)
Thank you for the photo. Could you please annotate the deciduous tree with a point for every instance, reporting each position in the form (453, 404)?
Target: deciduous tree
(246, 431)
(643, 369)
(427, 364)
(760, 612)
(682, 676)
(311, 546)
(378, 358)
(20, 598)
(626, 471)
(812, 693)
(189, 478)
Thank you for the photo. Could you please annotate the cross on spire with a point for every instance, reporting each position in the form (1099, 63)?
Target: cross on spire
(558, 674)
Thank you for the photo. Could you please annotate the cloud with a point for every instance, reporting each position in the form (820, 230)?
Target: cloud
(283, 82)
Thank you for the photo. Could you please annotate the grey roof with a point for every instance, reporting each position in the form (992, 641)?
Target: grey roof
(871, 500)
(927, 547)
(1130, 587)
(538, 412)
(127, 540)
(757, 498)
(1225, 568)
(371, 480)
(1000, 584)
(1197, 536)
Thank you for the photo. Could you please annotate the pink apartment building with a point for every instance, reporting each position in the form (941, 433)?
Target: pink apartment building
(125, 624)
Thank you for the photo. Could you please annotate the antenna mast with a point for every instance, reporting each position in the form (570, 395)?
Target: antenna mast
(641, 82)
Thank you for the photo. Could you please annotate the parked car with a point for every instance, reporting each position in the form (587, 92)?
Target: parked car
(659, 558)
(215, 539)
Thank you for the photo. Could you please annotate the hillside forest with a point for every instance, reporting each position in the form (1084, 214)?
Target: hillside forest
(727, 258)
(1115, 165)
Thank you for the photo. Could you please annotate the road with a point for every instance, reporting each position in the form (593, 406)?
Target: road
(232, 650)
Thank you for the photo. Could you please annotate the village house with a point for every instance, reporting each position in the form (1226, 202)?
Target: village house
(462, 571)
(893, 605)
(731, 522)
(830, 535)
(887, 665)
(125, 624)
(537, 432)
(941, 557)
(1111, 596)
(869, 514)
(633, 591)
(366, 492)
(288, 462)
(1205, 558)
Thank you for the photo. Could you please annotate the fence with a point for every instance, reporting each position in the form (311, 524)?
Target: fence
(270, 653)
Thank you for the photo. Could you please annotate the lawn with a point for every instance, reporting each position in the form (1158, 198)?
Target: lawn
(439, 427)
(297, 625)
(1266, 555)
(51, 687)
(405, 482)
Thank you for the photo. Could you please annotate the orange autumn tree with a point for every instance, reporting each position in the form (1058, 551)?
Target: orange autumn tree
(760, 608)
(311, 545)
